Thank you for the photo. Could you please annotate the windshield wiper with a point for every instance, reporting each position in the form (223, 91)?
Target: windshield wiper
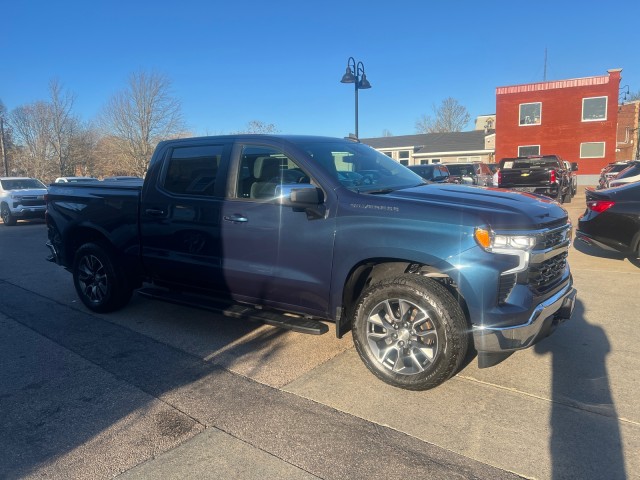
(381, 191)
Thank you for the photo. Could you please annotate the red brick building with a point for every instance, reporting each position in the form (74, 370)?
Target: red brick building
(628, 131)
(576, 119)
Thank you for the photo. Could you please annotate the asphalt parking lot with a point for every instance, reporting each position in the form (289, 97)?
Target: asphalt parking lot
(159, 390)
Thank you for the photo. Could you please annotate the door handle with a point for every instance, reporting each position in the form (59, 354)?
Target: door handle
(236, 218)
(154, 212)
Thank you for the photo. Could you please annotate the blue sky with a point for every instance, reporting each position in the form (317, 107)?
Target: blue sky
(281, 62)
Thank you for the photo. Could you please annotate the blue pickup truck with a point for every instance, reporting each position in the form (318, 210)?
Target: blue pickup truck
(297, 231)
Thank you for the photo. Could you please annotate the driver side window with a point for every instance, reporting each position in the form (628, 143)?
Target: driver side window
(264, 168)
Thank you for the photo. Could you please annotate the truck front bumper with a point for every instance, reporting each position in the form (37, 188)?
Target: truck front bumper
(543, 320)
(24, 212)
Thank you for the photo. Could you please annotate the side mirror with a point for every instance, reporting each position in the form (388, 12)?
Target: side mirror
(299, 195)
(574, 166)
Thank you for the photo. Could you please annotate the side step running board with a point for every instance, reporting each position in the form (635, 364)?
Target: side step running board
(234, 310)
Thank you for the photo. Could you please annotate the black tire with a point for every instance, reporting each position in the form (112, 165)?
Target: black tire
(8, 219)
(410, 332)
(100, 279)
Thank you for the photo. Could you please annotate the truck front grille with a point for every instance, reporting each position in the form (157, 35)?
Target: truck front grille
(547, 265)
(32, 202)
(549, 259)
(547, 273)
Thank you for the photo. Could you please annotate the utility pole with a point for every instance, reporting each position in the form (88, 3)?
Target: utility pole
(3, 151)
(544, 76)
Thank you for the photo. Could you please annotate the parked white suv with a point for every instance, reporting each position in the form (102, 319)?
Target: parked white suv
(21, 198)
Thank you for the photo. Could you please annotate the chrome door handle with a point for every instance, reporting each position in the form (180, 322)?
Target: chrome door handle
(236, 218)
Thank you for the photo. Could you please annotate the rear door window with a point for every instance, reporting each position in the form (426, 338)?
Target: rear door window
(193, 170)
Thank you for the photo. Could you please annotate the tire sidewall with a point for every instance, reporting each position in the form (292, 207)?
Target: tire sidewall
(117, 294)
(5, 211)
(449, 326)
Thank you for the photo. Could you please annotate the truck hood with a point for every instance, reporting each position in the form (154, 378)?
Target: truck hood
(498, 208)
(27, 192)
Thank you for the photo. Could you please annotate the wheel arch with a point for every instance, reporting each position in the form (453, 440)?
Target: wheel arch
(371, 271)
(77, 237)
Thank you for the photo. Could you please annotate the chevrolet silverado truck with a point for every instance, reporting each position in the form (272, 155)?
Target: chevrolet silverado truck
(21, 198)
(544, 175)
(278, 229)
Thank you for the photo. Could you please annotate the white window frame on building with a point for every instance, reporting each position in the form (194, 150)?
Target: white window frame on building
(404, 155)
(600, 114)
(527, 119)
(388, 154)
(429, 161)
(592, 154)
(521, 154)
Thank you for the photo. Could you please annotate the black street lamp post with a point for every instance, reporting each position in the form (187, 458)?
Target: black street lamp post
(355, 74)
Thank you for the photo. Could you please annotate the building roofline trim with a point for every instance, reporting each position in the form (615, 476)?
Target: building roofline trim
(534, 87)
(461, 152)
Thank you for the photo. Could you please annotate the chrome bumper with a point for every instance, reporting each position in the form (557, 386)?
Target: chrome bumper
(555, 309)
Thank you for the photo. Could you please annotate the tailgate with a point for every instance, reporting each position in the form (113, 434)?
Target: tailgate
(524, 177)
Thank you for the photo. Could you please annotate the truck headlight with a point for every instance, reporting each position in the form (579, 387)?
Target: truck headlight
(518, 245)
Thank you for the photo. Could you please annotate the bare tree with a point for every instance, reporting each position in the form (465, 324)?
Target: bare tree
(258, 126)
(62, 128)
(31, 126)
(83, 151)
(142, 115)
(4, 144)
(450, 116)
(633, 96)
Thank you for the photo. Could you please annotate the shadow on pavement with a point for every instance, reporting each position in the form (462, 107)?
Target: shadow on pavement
(48, 405)
(582, 403)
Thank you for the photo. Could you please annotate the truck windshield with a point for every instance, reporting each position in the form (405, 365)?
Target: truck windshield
(361, 168)
(21, 184)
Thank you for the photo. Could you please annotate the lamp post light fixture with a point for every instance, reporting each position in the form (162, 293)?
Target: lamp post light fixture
(355, 74)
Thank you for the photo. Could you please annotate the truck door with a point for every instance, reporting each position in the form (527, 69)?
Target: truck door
(180, 216)
(274, 254)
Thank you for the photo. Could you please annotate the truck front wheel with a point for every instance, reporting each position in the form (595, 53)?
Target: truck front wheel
(7, 218)
(99, 278)
(410, 332)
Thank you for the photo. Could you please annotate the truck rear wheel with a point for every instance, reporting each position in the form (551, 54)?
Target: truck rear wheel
(410, 332)
(99, 278)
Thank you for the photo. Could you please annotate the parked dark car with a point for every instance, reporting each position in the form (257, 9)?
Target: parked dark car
(476, 173)
(609, 172)
(628, 175)
(612, 219)
(434, 172)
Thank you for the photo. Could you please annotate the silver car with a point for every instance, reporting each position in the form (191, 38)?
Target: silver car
(21, 198)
